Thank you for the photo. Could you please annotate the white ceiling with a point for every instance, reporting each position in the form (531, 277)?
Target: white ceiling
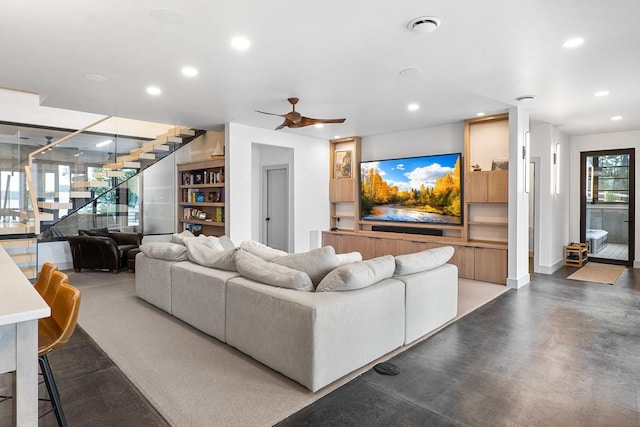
(341, 58)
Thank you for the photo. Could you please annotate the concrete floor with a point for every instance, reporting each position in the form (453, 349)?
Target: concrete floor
(556, 352)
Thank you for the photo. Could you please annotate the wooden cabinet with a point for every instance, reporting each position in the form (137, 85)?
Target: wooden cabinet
(201, 197)
(487, 262)
(487, 187)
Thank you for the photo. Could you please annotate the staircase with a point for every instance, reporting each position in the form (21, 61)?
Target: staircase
(91, 183)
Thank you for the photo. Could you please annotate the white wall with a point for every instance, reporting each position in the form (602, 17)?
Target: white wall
(552, 210)
(311, 182)
(606, 141)
(442, 139)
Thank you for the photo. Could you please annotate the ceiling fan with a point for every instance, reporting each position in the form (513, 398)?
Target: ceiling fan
(294, 119)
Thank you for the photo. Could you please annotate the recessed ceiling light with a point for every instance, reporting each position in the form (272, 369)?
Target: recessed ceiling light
(319, 125)
(167, 16)
(602, 93)
(95, 78)
(525, 98)
(574, 42)
(424, 24)
(480, 114)
(413, 107)
(240, 43)
(154, 90)
(103, 143)
(616, 118)
(189, 71)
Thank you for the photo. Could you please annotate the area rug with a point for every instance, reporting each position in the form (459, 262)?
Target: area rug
(599, 273)
(191, 378)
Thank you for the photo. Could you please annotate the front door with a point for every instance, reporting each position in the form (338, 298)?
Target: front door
(607, 205)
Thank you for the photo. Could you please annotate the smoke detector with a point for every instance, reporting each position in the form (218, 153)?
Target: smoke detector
(424, 24)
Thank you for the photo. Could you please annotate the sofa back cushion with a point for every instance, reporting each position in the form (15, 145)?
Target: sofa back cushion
(180, 237)
(422, 261)
(358, 275)
(102, 232)
(261, 250)
(205, 255)
(348, 257)
(165, 250)
(255, 268)
(317, 263)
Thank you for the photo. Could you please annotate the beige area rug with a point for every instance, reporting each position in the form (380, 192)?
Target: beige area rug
(191, 378)
(600, 273)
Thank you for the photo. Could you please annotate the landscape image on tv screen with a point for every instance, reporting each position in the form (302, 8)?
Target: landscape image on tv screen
(417, 189)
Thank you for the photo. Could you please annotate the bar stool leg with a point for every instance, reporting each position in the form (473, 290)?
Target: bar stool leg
(52, 389)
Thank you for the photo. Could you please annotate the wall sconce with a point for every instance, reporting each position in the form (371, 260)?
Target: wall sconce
(556, 169)
(525, 159)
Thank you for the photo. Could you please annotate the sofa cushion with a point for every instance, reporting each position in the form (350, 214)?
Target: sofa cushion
(349, 257)
(261, 250)
(180, 237)
(207, 256)
(255, 268)
(317, 263)
(422, 261)
(358, 275)
(165, 250)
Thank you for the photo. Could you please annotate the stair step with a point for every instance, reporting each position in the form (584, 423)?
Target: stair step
(45, 216)
(146, 156)
(115, 174)
(122, 165)
(187, 132)
(87, 184)
(175, 140)
(80, 194)
(55, 205)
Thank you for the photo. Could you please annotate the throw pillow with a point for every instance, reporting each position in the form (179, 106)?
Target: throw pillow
(165, 250)
(316, 263)
(255, 268)
(261, 250)
(180, 237)
(226, 242)
(358, 275)
(206, 256)
(210, 241)
(423, 261)
(349, 257)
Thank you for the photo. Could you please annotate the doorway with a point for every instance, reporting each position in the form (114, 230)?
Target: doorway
(607, 199)
(275, 207)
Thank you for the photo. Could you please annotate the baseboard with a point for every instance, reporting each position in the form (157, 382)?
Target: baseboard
(518, 283)
(550, 269)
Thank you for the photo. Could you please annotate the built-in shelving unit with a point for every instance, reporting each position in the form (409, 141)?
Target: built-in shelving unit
(201, 197)
(343, 183)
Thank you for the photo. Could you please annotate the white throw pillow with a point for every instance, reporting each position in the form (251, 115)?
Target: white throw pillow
(349, 257)
(165, 250)
(358, 275)
(316, 263)
(261, 250)
(423, 261)
(209, 257)
(179, 237)
(209, 241)
(226, 242)
(255, 268)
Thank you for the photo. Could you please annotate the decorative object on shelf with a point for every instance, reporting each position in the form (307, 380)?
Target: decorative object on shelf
(476, 168)
(218, 152)
(501, 164)
(220, 176)
(342, 162)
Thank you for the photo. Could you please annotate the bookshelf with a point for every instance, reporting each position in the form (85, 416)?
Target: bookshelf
(201, 197)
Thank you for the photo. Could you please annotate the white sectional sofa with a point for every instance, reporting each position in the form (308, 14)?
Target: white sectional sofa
(348, 318)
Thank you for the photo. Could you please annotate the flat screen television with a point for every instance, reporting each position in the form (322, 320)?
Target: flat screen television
(417, 190)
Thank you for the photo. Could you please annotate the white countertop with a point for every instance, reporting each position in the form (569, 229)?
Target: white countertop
(19, 301)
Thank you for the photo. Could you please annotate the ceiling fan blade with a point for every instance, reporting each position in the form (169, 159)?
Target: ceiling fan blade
(286, 123)
(308, 121)
(271, 114)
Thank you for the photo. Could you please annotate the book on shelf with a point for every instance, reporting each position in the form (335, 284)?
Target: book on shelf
(199, 197)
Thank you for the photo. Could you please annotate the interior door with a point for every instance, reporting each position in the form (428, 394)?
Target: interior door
(277, 208)
(608, 205)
